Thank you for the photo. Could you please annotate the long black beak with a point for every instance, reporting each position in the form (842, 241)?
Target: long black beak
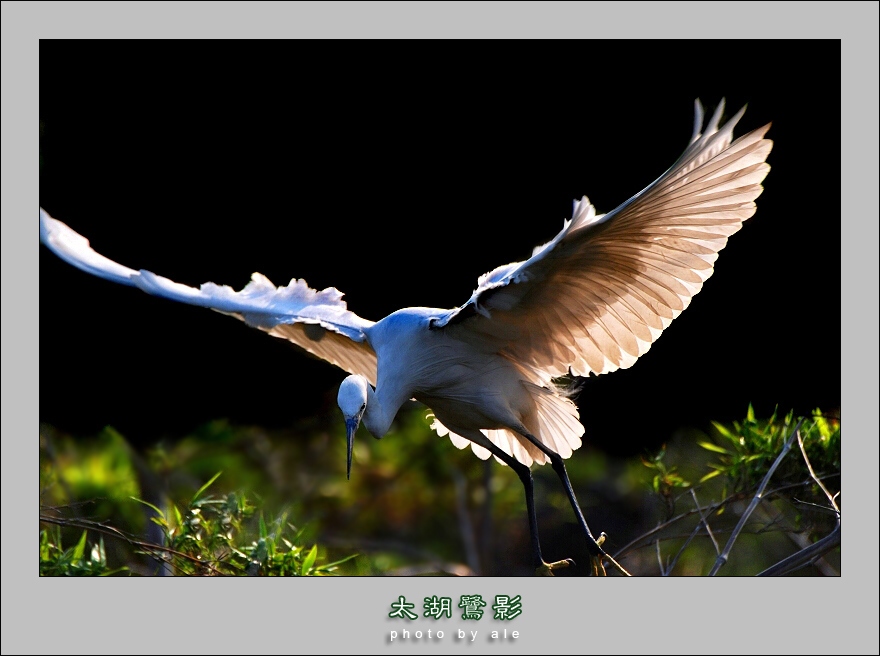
(351, 426)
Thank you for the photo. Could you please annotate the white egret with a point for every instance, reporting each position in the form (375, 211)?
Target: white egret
(592, 300)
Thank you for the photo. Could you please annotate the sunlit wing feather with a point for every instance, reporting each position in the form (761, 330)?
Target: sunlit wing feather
(600, 293)
(317, 321)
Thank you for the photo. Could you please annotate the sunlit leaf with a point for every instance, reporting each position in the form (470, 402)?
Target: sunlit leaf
(711, 474)
(205, 486)
(309, 561)
(80, 548)
(713, 447)
(150, 505)
(724, 431)
(336, 563)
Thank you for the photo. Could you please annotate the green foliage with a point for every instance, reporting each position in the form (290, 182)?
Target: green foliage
(667, 479)
(415, 504)
(744, 450)
(405, 506)
(747, 448)
(224, 534)
(209, 535)
(57, 561)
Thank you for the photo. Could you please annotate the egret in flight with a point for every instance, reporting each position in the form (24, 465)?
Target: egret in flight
(592, 300)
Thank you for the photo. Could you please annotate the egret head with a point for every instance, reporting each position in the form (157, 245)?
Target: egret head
(352, 401)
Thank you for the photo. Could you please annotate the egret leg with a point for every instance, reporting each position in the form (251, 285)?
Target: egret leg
(542, 568)
(597, 553)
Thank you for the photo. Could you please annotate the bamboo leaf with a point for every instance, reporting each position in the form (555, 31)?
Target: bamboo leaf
(333, 565)
(713, 447)
(80, 548)
(177, 517)
(723, 430)
(309, 561)
(205, 486)
(150, 505)
(711, 474)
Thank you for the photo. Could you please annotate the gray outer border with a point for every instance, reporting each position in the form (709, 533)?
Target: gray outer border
(572, 615)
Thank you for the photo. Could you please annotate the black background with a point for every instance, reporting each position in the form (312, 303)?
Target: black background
(398, 172)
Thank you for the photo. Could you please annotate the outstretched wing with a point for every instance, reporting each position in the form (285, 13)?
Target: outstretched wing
(600, 293)
(317, 321)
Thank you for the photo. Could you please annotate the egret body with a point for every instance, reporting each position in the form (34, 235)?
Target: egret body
(592, 300)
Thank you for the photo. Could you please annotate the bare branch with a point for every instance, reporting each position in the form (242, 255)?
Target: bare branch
(704, 522)
(722, 557)
(816, 506)
(663, 571)
(693, 534)
(815, 478)
(645, 538)
(805, 556)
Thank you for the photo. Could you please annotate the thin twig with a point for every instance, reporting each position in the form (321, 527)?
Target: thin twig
(815, 478)
(722, 557)
(816, 506)
(681, 550)
(820, 562)
(663, 571)
(620, 569)
(693, 534)
(805, 556)
(801, 540)
(645, 538)
(705, 522)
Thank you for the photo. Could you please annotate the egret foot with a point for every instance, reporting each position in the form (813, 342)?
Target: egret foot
(546, 569)
(598, 556)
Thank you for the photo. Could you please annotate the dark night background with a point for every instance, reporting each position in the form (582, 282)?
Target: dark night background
(399, 172)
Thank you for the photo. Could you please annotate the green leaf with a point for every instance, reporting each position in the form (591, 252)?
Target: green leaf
(333, 565)
(822, 424)
(711, 474)
(205, 486)
(264, 533)
(750, 413)
(80, 548)
(309, 561)
(723, 430)
(150, 505)
(713, 447)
